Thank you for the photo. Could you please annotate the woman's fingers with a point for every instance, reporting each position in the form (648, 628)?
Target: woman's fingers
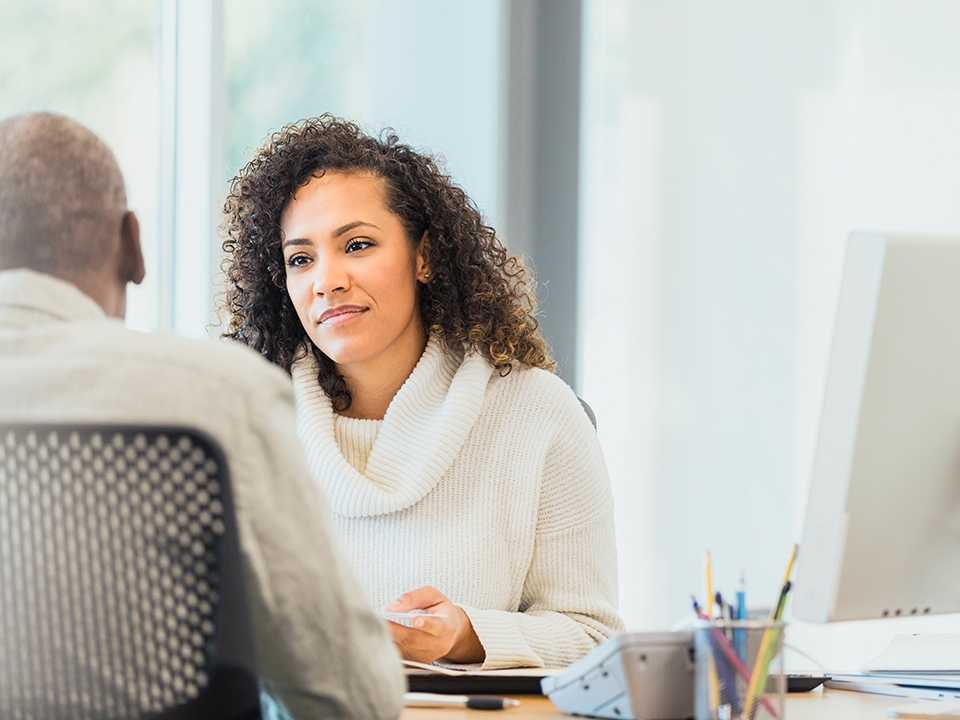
(431, 636)
(418, 599)
(436, 626)
(415, 645)
(399, 634)
(423, 630)
(429, 639)
(409, 648)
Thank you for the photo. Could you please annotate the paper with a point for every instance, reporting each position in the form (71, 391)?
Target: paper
(406, 618)
(946, 682)
(461, 670)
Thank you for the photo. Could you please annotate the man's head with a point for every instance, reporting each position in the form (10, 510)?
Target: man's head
(63, 208)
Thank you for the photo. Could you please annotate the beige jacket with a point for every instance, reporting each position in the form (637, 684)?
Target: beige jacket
(62, 359)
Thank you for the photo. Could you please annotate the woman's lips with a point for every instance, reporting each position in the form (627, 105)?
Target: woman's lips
(340, 315)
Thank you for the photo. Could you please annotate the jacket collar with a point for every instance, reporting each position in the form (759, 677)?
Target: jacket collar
(26, 295)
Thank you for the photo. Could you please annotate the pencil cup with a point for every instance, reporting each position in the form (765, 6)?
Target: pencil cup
(739, 670)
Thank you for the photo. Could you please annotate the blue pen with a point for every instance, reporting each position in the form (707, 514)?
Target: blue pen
(740, 637)
(742, 598)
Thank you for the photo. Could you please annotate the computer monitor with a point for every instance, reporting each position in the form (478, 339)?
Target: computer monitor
(881, 536)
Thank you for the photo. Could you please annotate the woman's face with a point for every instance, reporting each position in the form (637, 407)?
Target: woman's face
(351, 270)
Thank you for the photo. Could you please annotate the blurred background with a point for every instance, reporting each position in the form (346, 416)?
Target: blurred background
(682, 176)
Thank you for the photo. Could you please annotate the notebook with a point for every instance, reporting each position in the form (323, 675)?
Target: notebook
(470, 680)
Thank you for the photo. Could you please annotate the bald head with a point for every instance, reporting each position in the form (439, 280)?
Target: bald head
(63, 207)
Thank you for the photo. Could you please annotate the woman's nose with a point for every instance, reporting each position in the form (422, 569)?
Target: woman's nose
(329, 278)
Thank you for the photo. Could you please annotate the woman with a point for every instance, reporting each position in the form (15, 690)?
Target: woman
(465, 478)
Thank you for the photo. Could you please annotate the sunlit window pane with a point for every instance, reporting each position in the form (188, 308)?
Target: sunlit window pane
(301, 59)
(98, 64)
(430, 69)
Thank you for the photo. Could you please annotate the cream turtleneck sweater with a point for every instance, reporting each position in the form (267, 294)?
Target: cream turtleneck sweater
(355, 439)
(491, 489)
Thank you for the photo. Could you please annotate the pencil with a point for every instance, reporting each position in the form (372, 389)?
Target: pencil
(708, 569)
(714, 682)
(758, 678)
(790, 563)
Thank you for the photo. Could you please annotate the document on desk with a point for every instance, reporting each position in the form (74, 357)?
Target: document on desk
(412, 666)
(929, 689)
(919, 680)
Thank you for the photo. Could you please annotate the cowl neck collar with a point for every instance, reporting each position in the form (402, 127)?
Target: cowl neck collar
(422, 432)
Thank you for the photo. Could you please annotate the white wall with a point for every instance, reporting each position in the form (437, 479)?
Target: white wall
(434, 74)
(728, 149)
(430, 69)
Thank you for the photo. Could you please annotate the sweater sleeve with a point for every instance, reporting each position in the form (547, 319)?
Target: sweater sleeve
(321, 650)
(569, 600)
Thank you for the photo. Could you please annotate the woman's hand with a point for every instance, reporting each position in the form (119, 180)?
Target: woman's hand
(450, 637)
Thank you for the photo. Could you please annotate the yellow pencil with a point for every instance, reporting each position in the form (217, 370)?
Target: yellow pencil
(708, 569)
(758, 676)
(788, 572)
(714, 683)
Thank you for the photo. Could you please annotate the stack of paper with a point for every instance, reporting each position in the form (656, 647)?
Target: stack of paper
(901, 684)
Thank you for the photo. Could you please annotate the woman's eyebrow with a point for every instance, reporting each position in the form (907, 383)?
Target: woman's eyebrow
(336, 233)
(351, 225)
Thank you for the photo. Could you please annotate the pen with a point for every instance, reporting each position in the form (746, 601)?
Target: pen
(471, 702)
(742, 597)
(740, 637)
(726, 609)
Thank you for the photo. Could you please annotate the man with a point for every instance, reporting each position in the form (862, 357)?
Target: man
(68, 249)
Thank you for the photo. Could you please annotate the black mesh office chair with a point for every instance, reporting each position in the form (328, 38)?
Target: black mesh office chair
(589, 411)
(120, 583)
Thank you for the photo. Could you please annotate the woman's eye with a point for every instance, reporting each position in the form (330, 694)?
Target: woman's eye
(358, 245)
(297, 260)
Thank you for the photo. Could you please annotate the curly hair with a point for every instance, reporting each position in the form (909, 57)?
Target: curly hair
(479, 297)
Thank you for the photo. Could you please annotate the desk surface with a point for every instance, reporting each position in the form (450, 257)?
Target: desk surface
(816, 705)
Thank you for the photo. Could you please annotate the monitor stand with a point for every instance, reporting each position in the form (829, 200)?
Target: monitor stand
(922, 653)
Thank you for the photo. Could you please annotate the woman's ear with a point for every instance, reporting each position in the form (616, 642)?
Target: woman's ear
(423, 265)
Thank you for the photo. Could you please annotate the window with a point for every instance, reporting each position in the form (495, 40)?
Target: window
(99, 67)
(300, 59)
(430, 69)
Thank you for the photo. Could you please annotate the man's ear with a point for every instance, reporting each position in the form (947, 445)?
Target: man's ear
(132, 268)
(423, 265)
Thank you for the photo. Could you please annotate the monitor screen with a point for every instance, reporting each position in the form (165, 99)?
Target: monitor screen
(881, 535)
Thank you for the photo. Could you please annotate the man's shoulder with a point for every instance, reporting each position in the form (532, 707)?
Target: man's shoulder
(223, 360)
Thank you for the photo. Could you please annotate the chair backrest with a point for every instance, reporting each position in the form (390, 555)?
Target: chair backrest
(589, 411)
(121, 594)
